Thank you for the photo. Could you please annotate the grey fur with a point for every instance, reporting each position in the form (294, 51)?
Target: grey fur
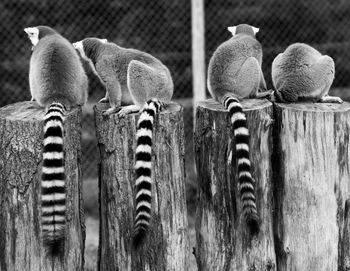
(131, 77)
(302, 73)
(56, 73)
(235, 67)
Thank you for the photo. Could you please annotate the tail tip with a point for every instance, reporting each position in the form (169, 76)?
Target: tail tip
(54, 248)
(138, 238)
(253, 223)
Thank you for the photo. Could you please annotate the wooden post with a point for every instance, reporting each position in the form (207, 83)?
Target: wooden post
(312, 186)
(21, 139)
(167, 246)
(198, 51)
(223, 242)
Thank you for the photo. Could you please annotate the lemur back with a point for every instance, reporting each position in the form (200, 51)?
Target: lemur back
(130, 73)
(302, 73)
(234, 73)
(57, 79)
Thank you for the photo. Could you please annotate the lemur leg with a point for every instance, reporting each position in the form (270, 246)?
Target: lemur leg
(248, 78)
(105, 99)
(108, 76)
(128, 109)
(115, 96)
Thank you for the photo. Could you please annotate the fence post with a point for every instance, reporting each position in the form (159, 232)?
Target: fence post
(167, 246)
(312, 186)
(21, 137)
(223, 242)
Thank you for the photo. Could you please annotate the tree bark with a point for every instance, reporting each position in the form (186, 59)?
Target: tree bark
(223, 241)
(21, 137)
(167, 245)
(312, 186)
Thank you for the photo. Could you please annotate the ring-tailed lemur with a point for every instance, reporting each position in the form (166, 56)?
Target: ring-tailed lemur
(57, 79)
(135, 78)
(235, 73)
(302, 73)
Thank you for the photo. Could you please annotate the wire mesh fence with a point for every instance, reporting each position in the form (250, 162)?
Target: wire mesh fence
(163, 28)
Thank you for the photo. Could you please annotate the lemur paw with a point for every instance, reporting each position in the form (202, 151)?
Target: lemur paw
(110, 111)
(104, 100)
(331, 99)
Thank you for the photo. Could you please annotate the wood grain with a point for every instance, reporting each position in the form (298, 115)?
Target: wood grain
(21, 137)
(223, 242)
(167, 246)
(312, 186)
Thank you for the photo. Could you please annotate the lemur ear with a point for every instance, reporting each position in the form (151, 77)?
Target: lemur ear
(104, 40)
(255, 29)
(232, 29)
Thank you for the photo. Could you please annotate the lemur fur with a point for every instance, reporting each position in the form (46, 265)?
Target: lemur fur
(140, 80)
(234, 73)
(302, 73)
(57, 80)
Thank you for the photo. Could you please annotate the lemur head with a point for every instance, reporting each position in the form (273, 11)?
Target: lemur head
(86, 47)
(38, 32)
(243, 29)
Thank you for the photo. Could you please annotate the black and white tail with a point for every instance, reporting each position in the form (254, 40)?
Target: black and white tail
(246, 181)
(53, 196)
(143, 168)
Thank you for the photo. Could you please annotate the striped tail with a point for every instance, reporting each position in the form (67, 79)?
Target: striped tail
(246, 181)
(143, 168)
(53, 196)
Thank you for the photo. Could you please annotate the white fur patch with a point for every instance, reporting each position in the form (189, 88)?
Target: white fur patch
(255, 29)
(237, 116)
(143, 164)
(53, 140)
(58, 218)
(234, 104)
(146, 214)
(55, 114)
(232, 29)
(51, 209)
(246, 185)
(142, 179)
(242, 147)
(245, 173)
(144, 203)
(53, 170)
(54, 196)
(33, 34)
(144, 132)
(53, 123)
(143, 192)
(52, 155)
(241, 131)
(52, 183)
(243, 161)
(145, 116)
(144, 148)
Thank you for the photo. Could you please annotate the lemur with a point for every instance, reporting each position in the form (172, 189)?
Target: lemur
(140, 80)
(234, 73)
(57, 80)
(302, 73)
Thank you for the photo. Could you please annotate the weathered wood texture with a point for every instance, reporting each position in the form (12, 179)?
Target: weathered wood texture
(21, 137)
(223, 241)
(312, 185)
(167, 246)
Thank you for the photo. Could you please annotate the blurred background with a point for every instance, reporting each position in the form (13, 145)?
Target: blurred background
(163, 28)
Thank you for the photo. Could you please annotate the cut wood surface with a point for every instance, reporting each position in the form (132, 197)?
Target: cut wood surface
(223, 241)
(167, 245)
(312, 186)
(21, 137)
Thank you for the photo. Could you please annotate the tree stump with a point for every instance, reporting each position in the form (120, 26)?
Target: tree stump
(167, 245)
(21, 139)
(223, 241)
(312, 186)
